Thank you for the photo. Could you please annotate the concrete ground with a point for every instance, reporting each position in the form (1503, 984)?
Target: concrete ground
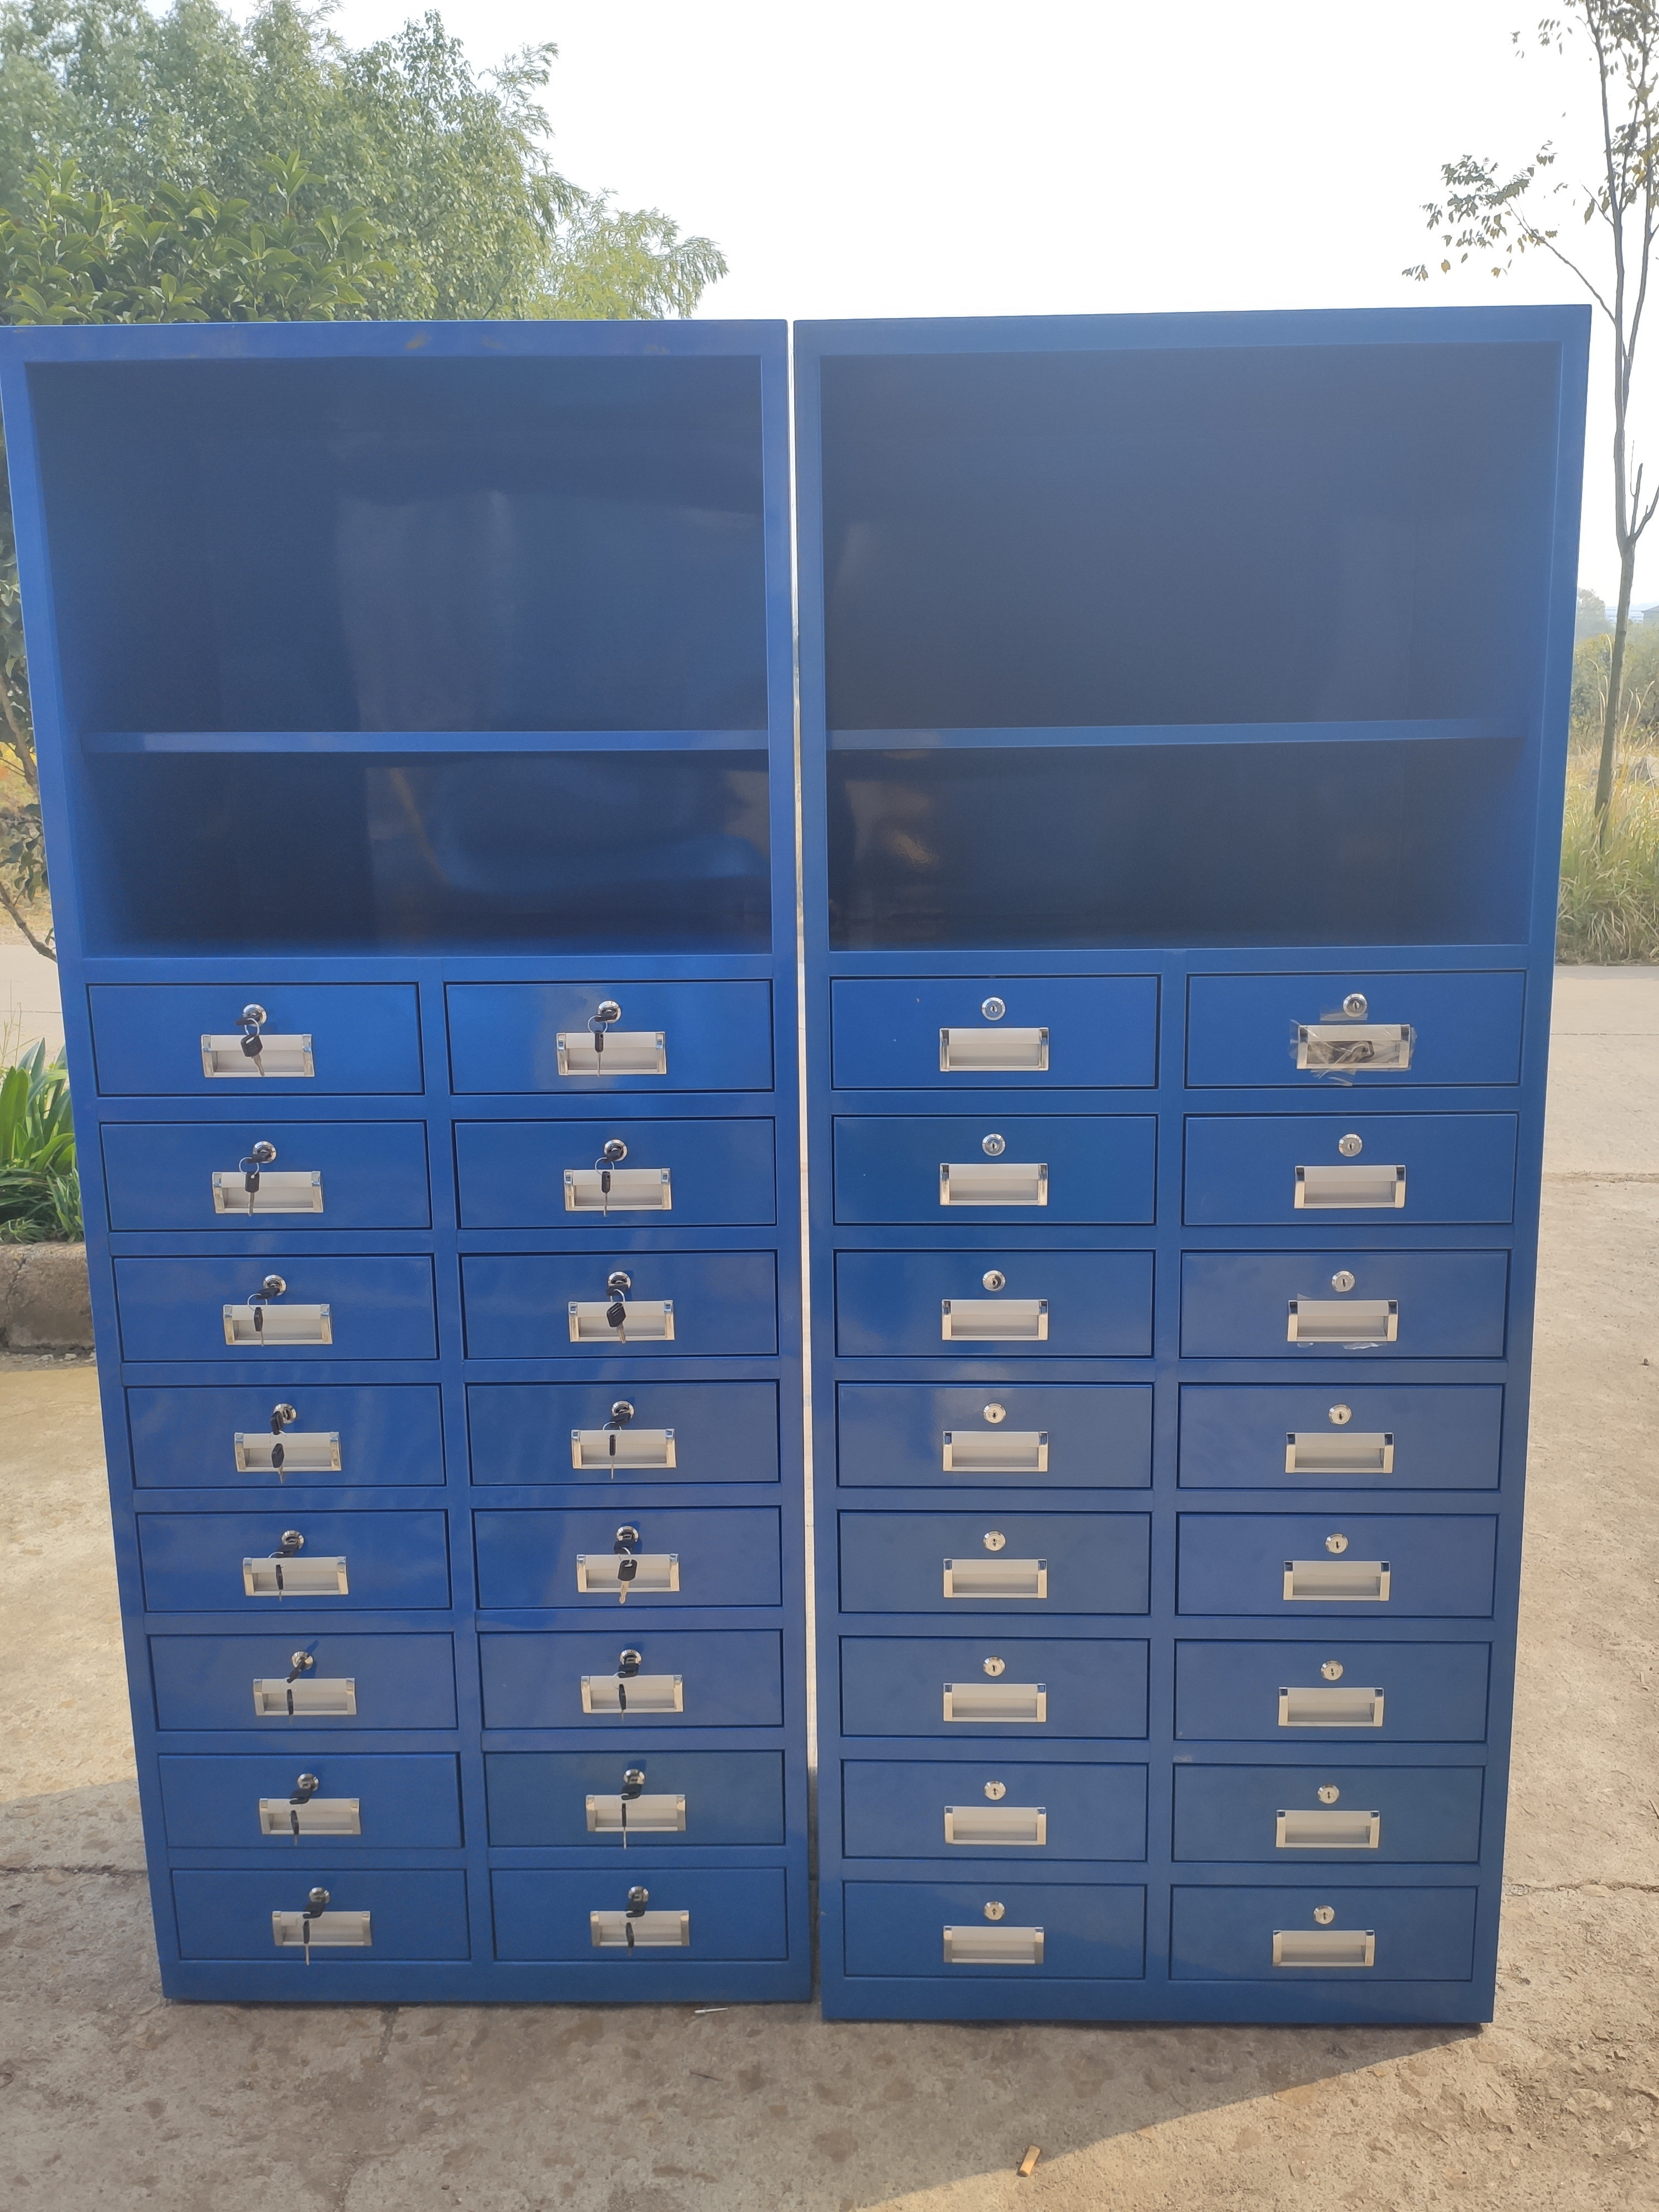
(118, 2101)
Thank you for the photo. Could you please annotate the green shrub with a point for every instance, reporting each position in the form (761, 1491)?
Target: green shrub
(39, 1192)
(1609, 910)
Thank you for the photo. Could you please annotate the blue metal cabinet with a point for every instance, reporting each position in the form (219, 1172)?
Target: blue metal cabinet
(689, 1915)
(1330, 1934)
(549, 1174)
(198, 1562)
(284, 1436)
(1371, 1170)
(1336, 1564)
(994, 1562)
(992, 1808)
(1247, 1031)
(563, 1800)
(677, 1304)
(1327, 1303)
(319, 1175)
(389, 903)
(1059, 1436)
(1332, 1687)
(1176, 1013)
(506, 1037)
(560, 1432)
(993, 1303)
(1406, 1435)
(632, 1673)
(580, 1557)
(326, 1308)
(184, 1040)
(996, 1929)
(1010, 1687)
(957, 1033)
(1329, 1814)
(356, 1802)
(995, 1167)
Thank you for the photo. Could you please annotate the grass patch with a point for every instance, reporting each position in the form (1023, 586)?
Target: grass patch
(40, 1191)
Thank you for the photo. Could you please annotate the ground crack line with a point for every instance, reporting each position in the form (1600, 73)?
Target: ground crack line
(1576, 1888)
(126, 1874)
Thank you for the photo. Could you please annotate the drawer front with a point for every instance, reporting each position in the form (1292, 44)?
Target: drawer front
(203, 1561)
(504, 1037)
(1416, 1564)
(995, 1167)
(147, 1039)
(990, 1808)
(512, 1175)
(410, 1915)
(1424, 1692)
(1297, 1815)
(1447, 1305)
(709, 1555)
(559, 1432)
(220, 1437)
(1050, 1931)
(574, 1800)
(693, 1914)
(1102, 1030)
(332, 1308)
(1242, 1030)
(1228, 1934)
(726, 1678)
(1052, 1305)
(1305, 1169)
(1060, 1436)
(995, 1561)
(1052, 1687)
(1256, 1435)
(519, 1305)
(410, 1801)
(397, 1681)
(324, 1174)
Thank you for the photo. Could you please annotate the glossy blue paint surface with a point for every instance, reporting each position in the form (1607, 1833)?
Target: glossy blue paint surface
(1236, 1435)
(1227, 1690)
(1428, 1814)
(160, 1176)
(185, 1438)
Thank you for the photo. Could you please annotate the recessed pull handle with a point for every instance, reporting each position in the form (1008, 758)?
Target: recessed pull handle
(996, 1826)
(1324, 1947)
(1354, 1044)
(259, 1319)
(319, 1928)
(310, 1697)
(995, 1945)
(1319, 1188)
(1345, 1320)
(633, 1693)
(627, 1573)
(1315, 1706)
(655, 1815)
(612, 1052)
(994, 1321)
(310, 1816)
(249, 1052)
(994, 1051)
(285, 1450)
(619, 1190)
(284, 1575)
(278, 1190)
(996, 1578)
(994, 1182)
(1318, 1829)
(1348, 1451)
(1001, 1451)
(975, 1704)
(639, 1929)
(643, 1321)
(1339, 1580)
(622, 1446)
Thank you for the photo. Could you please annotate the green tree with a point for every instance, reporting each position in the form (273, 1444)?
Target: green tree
(1485, 213)
(148, 172)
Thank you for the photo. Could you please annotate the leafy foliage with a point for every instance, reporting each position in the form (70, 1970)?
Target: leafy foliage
(40, 1194)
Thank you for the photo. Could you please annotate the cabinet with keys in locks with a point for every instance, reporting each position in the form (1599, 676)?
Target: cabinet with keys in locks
(1179, 929)
(427, 933)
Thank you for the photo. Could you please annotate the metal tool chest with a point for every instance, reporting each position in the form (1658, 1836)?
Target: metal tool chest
(416, 721)
(1183, 710)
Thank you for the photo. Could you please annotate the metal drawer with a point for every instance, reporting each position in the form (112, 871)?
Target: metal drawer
(716, 1678)
(934, 1809)
(683, 1914)
(995, 1561)
(573, 1432)
(548, 1175)
(1335, 1933)
(1381, 1169)
(148, 1039)
(1292, 1693)
(329, 1308)
(239, 1562)
(995, 1685)
(578, 1556)
(1407, 1436)
(505, 1037)
(357, 1802)
(1296, 1815)
(554, 1305)
(1246, 1030)
(581, 1800)
(373, 1914)
(990, 1304)
(1417, 1305)
(1336, 1563)
(1050, 1931)
(944, 1033)
(236, 1681)
(224, 1436)
(321, 1175)
(1060, 1436)
(995, 1167)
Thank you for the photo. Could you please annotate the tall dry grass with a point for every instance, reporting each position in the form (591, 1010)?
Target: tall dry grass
(1610, 908)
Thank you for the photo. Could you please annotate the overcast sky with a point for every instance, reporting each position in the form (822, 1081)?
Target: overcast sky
(942, 157)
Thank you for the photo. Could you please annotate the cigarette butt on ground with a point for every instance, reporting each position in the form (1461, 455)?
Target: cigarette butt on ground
(1027, 2164)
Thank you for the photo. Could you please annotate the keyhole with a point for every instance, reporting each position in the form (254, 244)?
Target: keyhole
(318, 1901)
(293, 1541)
(629, 1662)
(993, 1146)
(994, 1009)
(994, 1280)
(994, 1414)
(996, 1791)
(995, 1667)
(1356, 1006)
(1340, 1416)
(300, 1662)
(993, 1911)
(1329, 1793)
(1351, 1145)
(1324, 1914)
(1332, 1670)
(1336, 1543)
(1342, 1280)
(994, 1540)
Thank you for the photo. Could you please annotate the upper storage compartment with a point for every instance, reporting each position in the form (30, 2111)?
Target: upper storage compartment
(1207, 534)
(340, 545)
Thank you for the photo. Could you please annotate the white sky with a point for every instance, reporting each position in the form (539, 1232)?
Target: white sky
(935, 157)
